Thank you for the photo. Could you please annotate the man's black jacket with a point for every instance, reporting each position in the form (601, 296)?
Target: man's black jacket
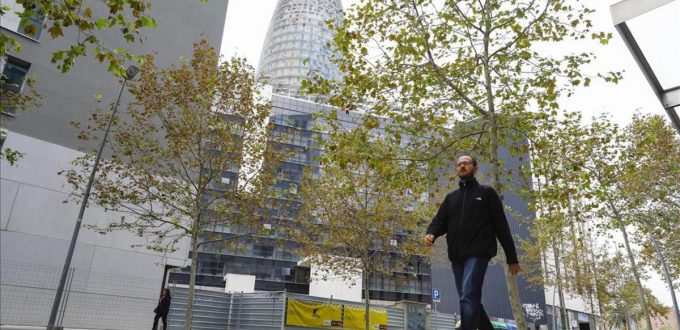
(472, 217)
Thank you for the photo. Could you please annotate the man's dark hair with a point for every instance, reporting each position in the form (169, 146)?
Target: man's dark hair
(474, 160)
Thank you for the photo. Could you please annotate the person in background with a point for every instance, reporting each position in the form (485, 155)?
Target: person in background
(162, 309)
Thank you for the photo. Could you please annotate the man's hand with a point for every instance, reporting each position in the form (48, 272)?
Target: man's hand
(429, 240)
(514, 269)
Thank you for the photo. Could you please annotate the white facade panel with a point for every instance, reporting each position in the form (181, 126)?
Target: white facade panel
(34, 212)
(239, 283)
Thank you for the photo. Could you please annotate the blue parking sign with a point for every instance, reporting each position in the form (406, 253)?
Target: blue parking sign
(436, 295)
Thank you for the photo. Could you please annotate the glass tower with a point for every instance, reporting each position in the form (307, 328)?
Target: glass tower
(297, 44)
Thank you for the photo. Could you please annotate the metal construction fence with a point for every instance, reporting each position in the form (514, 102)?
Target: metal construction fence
(91, 300)
(106, 301)
(267, 310)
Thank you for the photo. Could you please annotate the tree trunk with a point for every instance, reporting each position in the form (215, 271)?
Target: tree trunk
(595, 287)
(546, 275)
(513, 291)
(554, 323)
(576, 249)
(591, 292)
(192, 281)
(631, 258)
(666, 272)
(367, 305)
(560, 291)
(643, 298)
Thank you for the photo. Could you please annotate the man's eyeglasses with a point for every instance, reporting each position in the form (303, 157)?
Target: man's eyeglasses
(464, 163)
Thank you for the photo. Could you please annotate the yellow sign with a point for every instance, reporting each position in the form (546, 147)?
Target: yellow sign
(313, 314)
(354, 318)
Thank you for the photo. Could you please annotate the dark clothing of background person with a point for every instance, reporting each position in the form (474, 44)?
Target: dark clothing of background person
(472, 217)
(162, 311)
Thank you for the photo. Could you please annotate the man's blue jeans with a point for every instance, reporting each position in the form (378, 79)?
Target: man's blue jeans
(469, 274)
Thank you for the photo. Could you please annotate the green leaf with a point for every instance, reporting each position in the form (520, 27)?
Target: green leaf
(148, 22)
(55, 31)
(101, 23)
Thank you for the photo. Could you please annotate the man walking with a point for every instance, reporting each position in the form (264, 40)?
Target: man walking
(472, 217)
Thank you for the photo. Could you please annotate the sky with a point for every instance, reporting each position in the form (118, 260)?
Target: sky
(247, 22)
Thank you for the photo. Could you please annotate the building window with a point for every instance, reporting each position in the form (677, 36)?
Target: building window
(32, 26)
(3, 137)
(14, 73)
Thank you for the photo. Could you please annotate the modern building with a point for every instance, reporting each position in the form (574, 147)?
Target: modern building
(111, 283)
(296, 43)
(276, 267)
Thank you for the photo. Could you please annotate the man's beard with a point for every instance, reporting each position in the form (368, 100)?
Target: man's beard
(467, 176)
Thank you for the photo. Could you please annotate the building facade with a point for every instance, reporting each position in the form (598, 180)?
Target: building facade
(296, 43)
(276, 267)
(112, 284)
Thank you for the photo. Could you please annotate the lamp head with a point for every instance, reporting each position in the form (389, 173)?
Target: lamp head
(131, 72)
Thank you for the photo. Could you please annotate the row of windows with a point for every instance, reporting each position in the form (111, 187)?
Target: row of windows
(260, 285)
(411, 285)
(284, 271)
(263, 269)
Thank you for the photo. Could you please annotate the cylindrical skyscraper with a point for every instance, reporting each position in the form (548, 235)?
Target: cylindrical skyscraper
(296, 43)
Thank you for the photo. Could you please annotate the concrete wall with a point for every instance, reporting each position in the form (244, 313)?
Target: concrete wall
(37, 225)
(112, 285)
(70, 97)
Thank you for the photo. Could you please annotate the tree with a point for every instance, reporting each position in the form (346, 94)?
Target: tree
(607, 167)
(620, 298)
(188, 157)
(363, 214)
(589, 176)
(560, 196)
(86, 21)
(430, 64)
(652, 180)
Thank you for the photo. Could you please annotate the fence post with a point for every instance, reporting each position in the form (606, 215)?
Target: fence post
(283, 310)
(238, 311)
(230, 317)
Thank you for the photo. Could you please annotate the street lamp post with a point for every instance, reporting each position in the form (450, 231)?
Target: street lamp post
(129, 74)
